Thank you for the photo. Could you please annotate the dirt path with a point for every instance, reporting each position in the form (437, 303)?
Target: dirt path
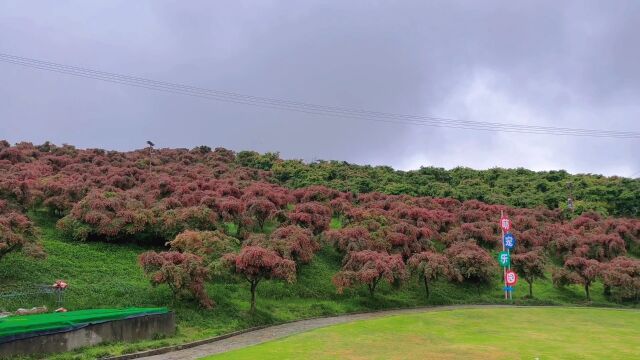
(280, 331)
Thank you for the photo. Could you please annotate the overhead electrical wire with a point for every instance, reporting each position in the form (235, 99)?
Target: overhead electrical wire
(288, 105)
(296, 106)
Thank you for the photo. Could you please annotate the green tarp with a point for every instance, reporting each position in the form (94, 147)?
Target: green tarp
(22, 324)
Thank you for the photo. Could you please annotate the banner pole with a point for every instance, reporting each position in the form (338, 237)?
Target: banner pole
(510, 291)
(504, 269)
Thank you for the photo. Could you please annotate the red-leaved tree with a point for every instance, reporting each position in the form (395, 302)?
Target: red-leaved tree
(369, 268)
(622, 276)
(580, 271)
(315, 193)
(470, 263)
(340, 206)
(312, 215)
(405, 239)
(231, 209)
(600, 247)
(294, 243)
(261, 210)
(429, 266)
(210, 245)
(17, 233)
(175, 221)
(529, 266)
(182, 272)
(355, 238)
(108, 215)
(256, 263)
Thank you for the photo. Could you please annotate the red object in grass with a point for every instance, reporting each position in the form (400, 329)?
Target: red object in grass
(60, 310)
(60, 285)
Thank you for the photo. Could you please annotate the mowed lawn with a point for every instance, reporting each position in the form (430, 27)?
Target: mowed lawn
(499, 333)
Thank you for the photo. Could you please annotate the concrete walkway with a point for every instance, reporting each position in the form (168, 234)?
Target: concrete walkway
(280, 331)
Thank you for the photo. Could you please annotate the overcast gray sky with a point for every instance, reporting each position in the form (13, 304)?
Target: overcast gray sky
(553, 63)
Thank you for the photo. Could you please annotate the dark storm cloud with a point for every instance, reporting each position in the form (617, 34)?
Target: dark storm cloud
(568, 64)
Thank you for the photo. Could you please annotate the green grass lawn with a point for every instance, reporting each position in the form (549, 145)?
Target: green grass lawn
(105, 275)
(504, 333)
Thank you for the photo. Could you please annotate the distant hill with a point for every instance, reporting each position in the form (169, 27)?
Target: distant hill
(520, 187)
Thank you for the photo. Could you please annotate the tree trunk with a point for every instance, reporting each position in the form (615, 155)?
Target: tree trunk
(238, 229)
(426, 286)
(530, 288)
(586, 290)
(372, 286)
(254, 285)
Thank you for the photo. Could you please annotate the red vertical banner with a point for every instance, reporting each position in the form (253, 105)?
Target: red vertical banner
(511, 278)
(505, 224)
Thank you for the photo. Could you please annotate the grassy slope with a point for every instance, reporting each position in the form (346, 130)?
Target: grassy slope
(107, 275)
(526, 333)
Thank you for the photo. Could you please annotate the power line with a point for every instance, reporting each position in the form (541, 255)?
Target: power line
(308, 108)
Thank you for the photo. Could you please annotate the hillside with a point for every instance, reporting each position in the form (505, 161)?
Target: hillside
(107, 275)
(203, 230)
